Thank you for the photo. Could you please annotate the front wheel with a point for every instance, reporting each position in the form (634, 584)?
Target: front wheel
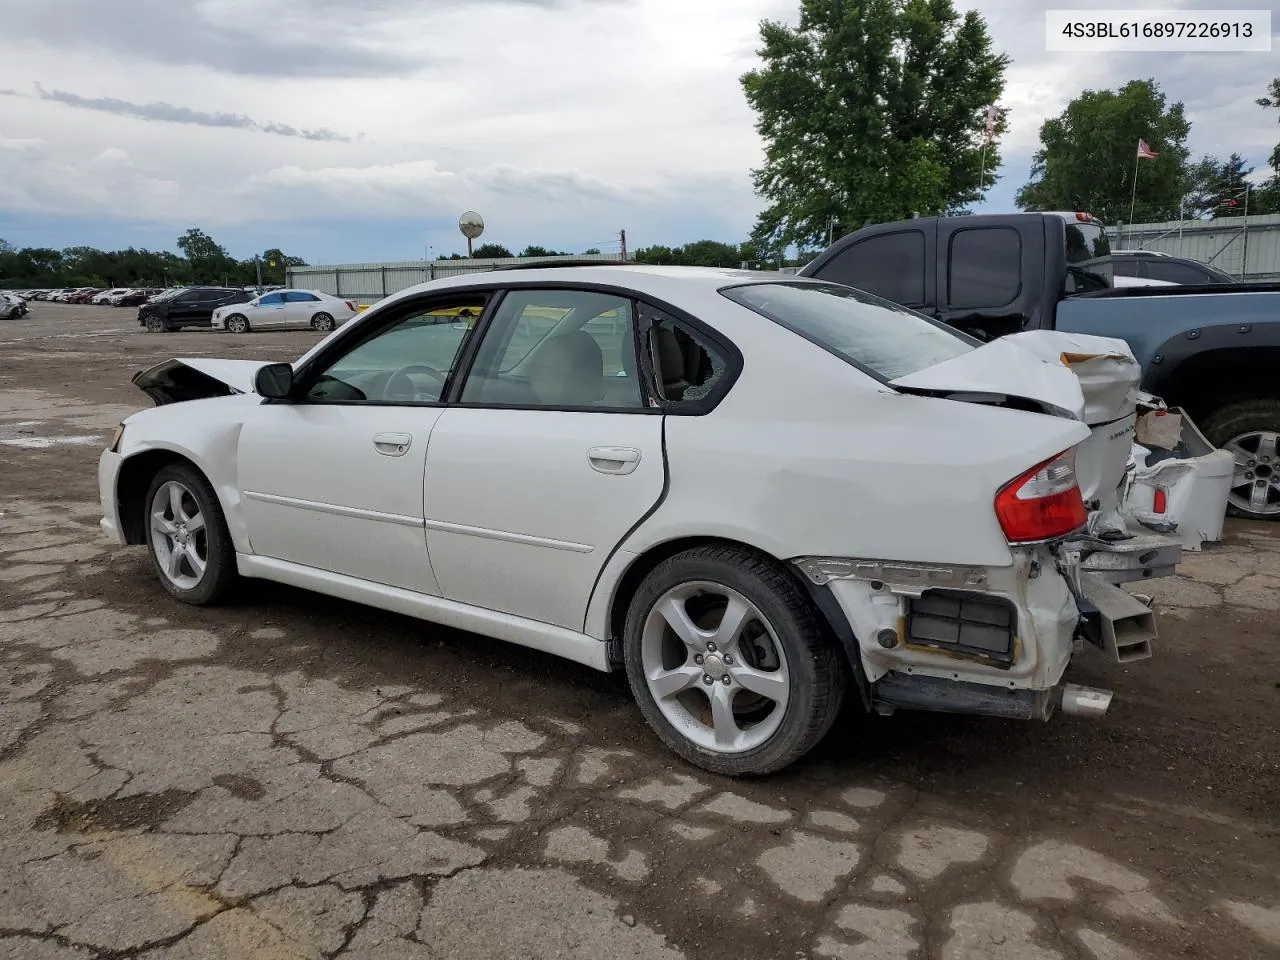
(237, 324)
(187, 537)
(322, 322)
(156, 325)
(1250, 430)
(729, 663)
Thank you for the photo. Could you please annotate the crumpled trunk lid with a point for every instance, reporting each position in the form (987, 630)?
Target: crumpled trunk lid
(179, 380)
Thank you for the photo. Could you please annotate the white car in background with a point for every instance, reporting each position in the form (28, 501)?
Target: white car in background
(106, 296)
(280, 309)
(752, 493)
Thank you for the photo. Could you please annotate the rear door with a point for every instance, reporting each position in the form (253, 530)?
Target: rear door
(299, 306)
(551, 455)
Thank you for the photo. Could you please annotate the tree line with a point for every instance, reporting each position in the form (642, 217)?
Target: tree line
(202, 260)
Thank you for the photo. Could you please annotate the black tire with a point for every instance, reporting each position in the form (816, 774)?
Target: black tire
(157, 325)
(322, 322)
(240, 320)
(220, 574)
(1236, 420)
(815, 670)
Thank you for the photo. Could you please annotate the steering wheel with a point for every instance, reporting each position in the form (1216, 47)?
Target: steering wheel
(400, 387)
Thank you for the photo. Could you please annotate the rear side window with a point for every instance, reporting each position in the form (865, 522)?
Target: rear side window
(299, 296)
(984, 267)
(890, 265)
(690, 371)
(1127, 267)
(1175, 272)
(876, 336)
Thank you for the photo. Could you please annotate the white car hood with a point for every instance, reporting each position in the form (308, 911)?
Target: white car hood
(197, 378)
(1092, 379)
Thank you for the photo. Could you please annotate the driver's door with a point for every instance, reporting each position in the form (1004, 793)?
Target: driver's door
(334, 479)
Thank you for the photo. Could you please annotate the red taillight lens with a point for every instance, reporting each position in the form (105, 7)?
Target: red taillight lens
(351, 306)
(1160, 501)
(1043, 503)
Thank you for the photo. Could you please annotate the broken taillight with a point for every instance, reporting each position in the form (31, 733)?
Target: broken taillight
(1044, 503)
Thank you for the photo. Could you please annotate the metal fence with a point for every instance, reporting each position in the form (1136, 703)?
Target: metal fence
(368, 283)
(1245, 247)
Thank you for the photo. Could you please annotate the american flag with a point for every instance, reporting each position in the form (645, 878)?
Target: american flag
(1145, 152)
(991, 119)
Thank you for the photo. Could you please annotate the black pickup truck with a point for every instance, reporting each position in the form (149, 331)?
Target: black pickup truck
(1213, 350)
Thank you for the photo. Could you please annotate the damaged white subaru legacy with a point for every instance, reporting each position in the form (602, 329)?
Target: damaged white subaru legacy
(755, 494)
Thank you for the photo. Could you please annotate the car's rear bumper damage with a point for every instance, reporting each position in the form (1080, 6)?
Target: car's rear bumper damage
(994, 641)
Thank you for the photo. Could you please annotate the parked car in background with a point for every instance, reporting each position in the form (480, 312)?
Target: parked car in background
(285, 308)
(105, 296)
(84, 295)
(1154, 265)
(12, 306)
(136, 297)
(187, 307)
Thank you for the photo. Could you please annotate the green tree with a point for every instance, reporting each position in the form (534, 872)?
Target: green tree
(1233, 180)
(1266, 199)
(274, 263)
(591, 251)
(490, 251)
(871, 110)
(537, 251)
(1088, 152)
(210, 262)
(1201, 192)
(1272, 102)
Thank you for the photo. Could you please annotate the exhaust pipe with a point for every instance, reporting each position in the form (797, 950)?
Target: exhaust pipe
(1078, 701)
(1120, 623)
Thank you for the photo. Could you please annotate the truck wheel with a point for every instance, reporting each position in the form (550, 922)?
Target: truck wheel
(728, 662)
(1250, 430)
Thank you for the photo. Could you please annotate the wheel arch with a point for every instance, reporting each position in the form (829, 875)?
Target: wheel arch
(642, 564)
(132, 484)
(1219, 367)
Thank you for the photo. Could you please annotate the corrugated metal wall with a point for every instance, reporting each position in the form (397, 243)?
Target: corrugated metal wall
(370, 282)
(1245, 248)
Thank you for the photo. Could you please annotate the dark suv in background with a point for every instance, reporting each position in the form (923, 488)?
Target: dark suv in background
(188, 307)
(1152, 265)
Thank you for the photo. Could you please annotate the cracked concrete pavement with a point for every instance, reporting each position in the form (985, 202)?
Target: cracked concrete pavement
(296, 777)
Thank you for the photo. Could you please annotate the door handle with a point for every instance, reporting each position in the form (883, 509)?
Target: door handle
(613, 459)
(392, 444)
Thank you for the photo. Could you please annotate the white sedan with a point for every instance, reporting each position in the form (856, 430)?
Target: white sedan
(754, 494)
(285, 308)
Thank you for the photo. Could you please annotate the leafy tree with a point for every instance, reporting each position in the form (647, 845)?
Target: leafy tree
(274, 262)
(1232, 183)
(490, 251)
(701, 253)
(536, 251)
(1087, 156)
(1202, 187)
(1266, 199)
(870, 110)
(210, 262)
(591, 251)
(1272, 102)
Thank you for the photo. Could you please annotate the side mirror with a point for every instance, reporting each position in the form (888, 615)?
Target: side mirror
(274, 381)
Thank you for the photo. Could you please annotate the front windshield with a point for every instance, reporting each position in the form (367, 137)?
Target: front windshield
(878, 336)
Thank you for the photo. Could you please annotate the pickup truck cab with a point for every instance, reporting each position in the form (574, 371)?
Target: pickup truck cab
(1212, 349)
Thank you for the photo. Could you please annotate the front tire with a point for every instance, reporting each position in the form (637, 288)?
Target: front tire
(1250, 430)
(322, 322)
(156, 325)
(729, 663)
(237, 323)
(187, 537)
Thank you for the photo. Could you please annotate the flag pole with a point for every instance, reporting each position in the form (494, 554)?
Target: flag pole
(1134, 199)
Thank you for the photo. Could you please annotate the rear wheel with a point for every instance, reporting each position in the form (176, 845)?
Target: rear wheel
(187, 537)
(1250, 430)
(729, 663)
(322, 322)
(236, 323)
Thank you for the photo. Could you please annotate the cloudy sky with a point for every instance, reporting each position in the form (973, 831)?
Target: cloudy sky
(345, 131)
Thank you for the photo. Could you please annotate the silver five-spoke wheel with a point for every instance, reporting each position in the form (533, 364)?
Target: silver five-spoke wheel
(715, 667)
(178, 535)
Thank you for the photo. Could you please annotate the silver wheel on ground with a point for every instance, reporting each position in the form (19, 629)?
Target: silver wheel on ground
(715, 667)
(187, 536)
(178, 535)
(322, 321)
(1255, 484)
(730, 662)
(237, 324)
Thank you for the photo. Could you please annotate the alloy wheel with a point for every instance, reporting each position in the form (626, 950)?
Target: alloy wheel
(715, 667)
(178, 535)
(1255, 484)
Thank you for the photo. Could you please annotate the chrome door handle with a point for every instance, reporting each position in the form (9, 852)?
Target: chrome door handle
(613, 459)
(392, 444)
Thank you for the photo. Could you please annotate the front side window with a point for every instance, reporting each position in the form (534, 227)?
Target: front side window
(880, 337)
(407, 363)
(558, 348)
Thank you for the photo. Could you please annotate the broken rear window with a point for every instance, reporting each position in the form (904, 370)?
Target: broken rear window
(875, 335)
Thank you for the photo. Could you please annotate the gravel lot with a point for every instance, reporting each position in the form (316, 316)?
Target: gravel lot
(298, 777)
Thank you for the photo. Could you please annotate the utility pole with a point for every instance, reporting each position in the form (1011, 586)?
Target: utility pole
(257, 263)
(622, 238)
